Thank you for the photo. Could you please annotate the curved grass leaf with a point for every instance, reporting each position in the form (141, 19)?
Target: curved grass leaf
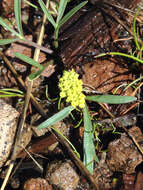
(57, 117)
(88, 143)
(61, 134)
(120, 54)
(8, 92)
(111, 99)
(133, 82)
(17, 12)
(8, 41)
(71, 13)
(9, 27)
(28, 60)
(61, 10)
(11, 90)
(47, 13)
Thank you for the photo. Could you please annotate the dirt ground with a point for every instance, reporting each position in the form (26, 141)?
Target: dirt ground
(43, 159)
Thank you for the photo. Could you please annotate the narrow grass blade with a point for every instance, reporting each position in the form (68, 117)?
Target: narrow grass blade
(8, 41)
(74, 149)
(17, 12)
(9, 27)
(57, 117)
(71, 13)
(47, 13)
(111, 99)
(36, 74)
(120, 54)
(134, 29)
(133, 83)
(10, 93)
(28, 60)
(61, 10)
(88, 142)
(5, 95)
(11, 90)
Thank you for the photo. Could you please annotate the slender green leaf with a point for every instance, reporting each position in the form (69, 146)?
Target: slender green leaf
(71, 13)
(8, 41)
(133, 82)
(28, 60)
(17, 12)
(10, 95)
(61, 10)
(120, 54)
(8, 92)
(47, 13)
(57, 117)
(11, 90)
(88, 142)
(134, 29)
(120, 86)
(111, 99)
(36, 74)
(9, 27)
(74, 149)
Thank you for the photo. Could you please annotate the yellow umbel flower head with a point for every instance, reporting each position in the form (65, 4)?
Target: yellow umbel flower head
(71, 89)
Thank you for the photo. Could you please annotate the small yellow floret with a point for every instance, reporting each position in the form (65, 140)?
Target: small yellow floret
(71, 87)
(62, 94)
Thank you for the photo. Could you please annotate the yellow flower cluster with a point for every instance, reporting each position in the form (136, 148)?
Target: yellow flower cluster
(71, 87)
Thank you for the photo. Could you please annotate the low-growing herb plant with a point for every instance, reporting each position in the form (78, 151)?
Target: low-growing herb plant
(71, 90)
